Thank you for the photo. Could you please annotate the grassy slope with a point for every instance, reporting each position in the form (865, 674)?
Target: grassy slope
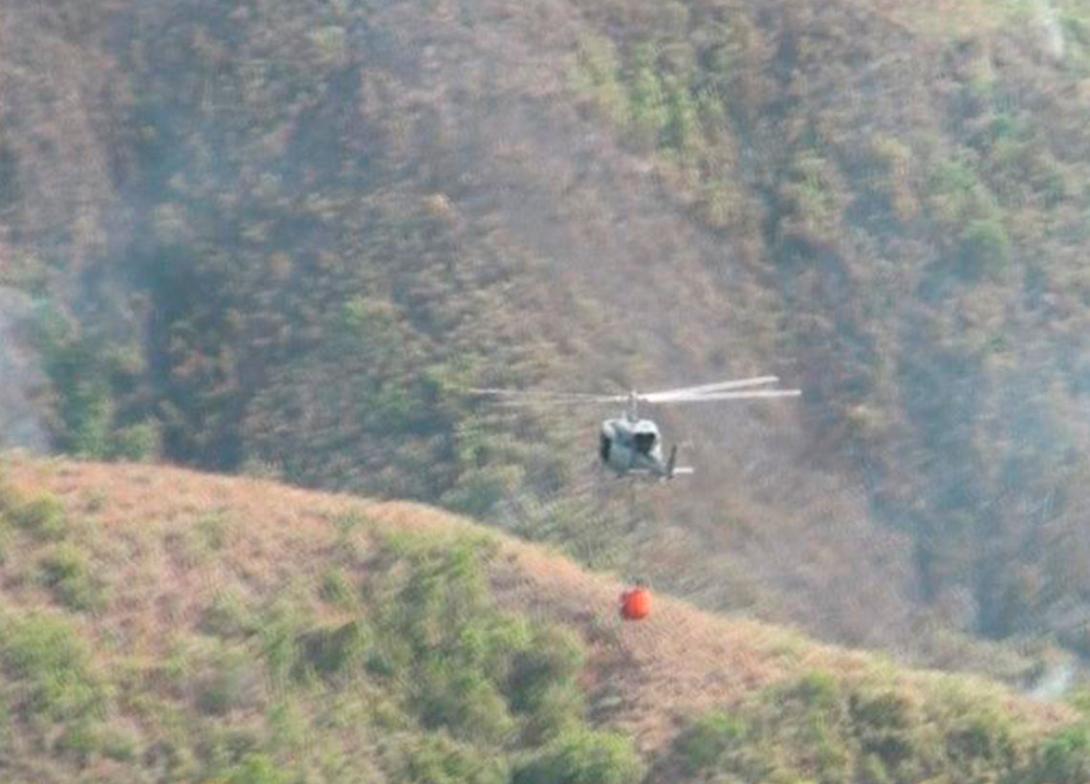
(164, 545)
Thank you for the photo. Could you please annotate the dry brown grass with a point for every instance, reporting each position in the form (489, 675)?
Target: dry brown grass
(947, 19)
(643, 678)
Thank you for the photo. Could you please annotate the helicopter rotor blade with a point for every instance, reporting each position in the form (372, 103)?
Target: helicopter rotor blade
(524, 397)
(751, 394)
(717, 386)
(740, 389)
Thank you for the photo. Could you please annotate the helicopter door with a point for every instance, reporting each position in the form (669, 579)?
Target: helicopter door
(644, 442)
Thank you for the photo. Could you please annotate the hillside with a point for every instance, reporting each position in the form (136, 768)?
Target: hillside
(212, 628)
(282, 238)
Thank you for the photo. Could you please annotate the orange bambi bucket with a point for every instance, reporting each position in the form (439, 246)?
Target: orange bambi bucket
(635, 604)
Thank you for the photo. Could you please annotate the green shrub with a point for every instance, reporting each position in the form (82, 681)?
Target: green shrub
(65, 572)
(48, 668)
(88, 411)
(883, 724)
(228, 616)
(142, 441)
(79, 740)
(558, 709)
(541, 682)
(980, 737)
(346, 525)
(438, 760)
(597, 76)
(336, 589)
(1064, 758)
(443, 589)
(258, 769)
(85, 405)
(215, 531)
(552, 656)
(118, 745)
(280, 630)
(6, 536)
(683, 122)
(479, 490)
(472, 670)
(230, 681)
(984, 248)
(583, 757)
(334, 651)
(815, 690)
(648, 111)
(5, 721)
(817, 729)
(703, 744)
(43, 517)
(94, 378)
(461, 699)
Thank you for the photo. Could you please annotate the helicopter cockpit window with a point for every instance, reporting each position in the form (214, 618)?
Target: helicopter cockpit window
(644, 442)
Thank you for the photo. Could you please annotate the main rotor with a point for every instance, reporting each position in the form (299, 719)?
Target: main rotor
(736, 389)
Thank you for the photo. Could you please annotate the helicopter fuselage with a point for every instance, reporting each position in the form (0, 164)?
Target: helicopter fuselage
(628, 445)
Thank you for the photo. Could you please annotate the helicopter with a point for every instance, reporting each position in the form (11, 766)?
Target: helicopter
(632, 446)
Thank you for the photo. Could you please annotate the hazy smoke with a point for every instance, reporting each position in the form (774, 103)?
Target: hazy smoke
(20, 375)
(1055, 682)
(1051, 29)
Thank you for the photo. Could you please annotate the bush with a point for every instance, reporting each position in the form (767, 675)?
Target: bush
(550, 655)
(94, 379)
(583, 757)
(85, 405)
(335, 650)
(472, 670)
(703, 744)
(818, 729)
(816, 690)
(64, 570)
(560, 708)
(648, 111)
(137, 442)
(462, 699)
(49, 668)
(443, 590)
(438, 760)
(336, 589)
(1064, 758)
(980, 738)
(216, 531)
(228, 616)
(541, 681)
(258, 769)
(883, 724)
(78, 740)
(479, 490)
(231, 682)
(985, 248)
(5, 538)
(43, 517)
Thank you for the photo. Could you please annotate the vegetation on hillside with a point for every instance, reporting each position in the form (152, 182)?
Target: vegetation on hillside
(283, 237)
(410, 674)
(813, 729)
(183, 645)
